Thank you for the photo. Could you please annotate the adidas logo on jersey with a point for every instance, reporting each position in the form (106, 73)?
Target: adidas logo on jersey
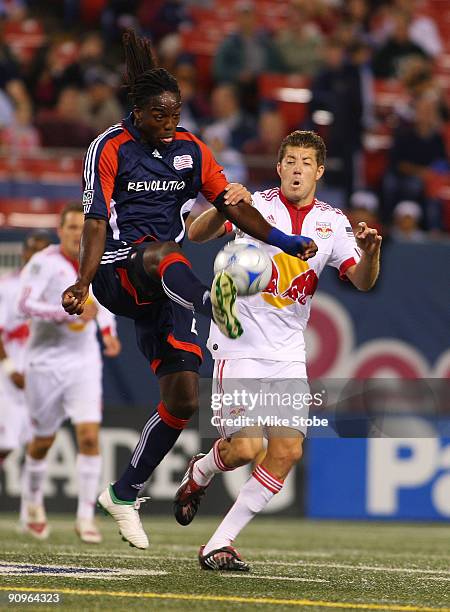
(156, 153)
(271, 219)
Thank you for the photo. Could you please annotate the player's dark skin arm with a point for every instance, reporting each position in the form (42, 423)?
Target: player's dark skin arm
(91, 251)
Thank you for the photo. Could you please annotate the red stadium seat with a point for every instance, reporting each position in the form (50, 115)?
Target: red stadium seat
(292, 94)
(24, 37)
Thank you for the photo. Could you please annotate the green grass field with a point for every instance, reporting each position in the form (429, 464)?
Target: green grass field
(296, 564)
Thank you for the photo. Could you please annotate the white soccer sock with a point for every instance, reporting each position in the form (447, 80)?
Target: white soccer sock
(88, 475)
(33, 478)
(207, 466)
(253, 497)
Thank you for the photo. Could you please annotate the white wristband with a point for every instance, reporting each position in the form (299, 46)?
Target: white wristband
(8, 366)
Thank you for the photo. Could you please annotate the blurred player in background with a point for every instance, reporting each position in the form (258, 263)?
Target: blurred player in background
(63, 372)
(141, 178)
(273, 349)
(15, 429)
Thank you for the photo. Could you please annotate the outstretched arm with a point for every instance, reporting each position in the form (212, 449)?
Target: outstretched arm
(365, 273)
(245, 217)
(91, 251)
(249, 220)
(207, 226)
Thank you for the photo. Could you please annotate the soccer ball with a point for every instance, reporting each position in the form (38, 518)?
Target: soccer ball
(248, 265)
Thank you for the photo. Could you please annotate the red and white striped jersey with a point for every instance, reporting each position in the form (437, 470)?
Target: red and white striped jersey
(275, 320)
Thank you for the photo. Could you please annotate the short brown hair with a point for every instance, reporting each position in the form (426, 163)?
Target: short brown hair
(68, 208)
(304, 138)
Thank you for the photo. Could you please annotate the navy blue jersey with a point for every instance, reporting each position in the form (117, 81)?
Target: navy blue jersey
(143, 190)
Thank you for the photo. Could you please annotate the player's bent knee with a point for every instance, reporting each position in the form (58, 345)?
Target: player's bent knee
(39, 447)
(88, 445)
(184, 408)
(286, 454)
(246, 449)
(155, 253)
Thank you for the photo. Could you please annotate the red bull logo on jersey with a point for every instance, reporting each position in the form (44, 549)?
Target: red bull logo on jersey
(323, 229)
(293, 281)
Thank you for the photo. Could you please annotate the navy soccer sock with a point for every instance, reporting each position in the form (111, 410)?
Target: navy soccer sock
(182, 286)
(159, 435)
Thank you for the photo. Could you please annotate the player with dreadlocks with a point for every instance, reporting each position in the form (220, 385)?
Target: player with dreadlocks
(141, 178)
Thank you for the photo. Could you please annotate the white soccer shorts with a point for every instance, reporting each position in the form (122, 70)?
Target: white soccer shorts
(56, 395)
(259, 393)
(15, 425)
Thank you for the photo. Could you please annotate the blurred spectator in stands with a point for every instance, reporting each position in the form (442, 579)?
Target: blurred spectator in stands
(406, 218)
(44, 76)
(6, 110)
(388, 59)
(418, 163)
(9, 69)
(217, 138)
(299, 42)
(360, 55)
(13, 10)
(364, 207)
(418, 79)
(244, 55)
(325, 14)
(91, 57)
(117, 16)
(227, 113)
(99, 107)
(20, 138)
(195, 110)
(337, 95)
(168, 52)
(158, 18)
(263, 150)
(357, 20)
(63, 126)
(422, 29)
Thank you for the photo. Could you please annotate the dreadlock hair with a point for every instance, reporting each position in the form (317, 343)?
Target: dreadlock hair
(143, 78)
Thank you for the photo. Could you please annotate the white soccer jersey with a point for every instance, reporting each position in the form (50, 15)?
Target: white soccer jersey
(275, 320)
(13, 329)
(15, 427)
(57, 340)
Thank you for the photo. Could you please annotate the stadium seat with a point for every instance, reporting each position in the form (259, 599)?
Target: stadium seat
(292, 94)
(24, 37)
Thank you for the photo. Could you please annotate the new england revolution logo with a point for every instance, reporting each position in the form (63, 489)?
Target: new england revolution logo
(180, 162)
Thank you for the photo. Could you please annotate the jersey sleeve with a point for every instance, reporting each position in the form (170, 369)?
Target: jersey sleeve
(34, 279)
(345, 251)
(99, 175)
(213, 180)
(3, 309)
(106, 321)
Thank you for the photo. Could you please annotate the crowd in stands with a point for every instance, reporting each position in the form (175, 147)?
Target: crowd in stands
(371, 76)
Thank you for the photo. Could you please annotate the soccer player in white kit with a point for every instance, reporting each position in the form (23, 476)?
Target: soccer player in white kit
(15, 427)
(272, 346)
(63, 370)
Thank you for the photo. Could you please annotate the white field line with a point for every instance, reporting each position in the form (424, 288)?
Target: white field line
(371, 568)
(263, 577)
(289, 553)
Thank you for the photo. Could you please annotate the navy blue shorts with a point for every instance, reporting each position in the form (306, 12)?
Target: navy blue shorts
(165, 331)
